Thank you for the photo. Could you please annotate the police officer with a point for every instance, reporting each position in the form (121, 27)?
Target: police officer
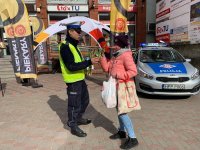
(73, 71)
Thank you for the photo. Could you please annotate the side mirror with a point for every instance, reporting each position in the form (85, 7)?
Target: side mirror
(188, 60)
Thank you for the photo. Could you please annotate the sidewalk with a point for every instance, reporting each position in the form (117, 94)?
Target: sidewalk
(33, 119)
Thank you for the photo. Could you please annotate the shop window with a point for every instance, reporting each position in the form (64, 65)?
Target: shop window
(53, 42)
(106, 16)
(131, 16)
(131, 29)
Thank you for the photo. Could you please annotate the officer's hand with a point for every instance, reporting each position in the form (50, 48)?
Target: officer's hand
(95, 60)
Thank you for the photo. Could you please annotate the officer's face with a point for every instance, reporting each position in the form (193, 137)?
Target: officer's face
(75, 33)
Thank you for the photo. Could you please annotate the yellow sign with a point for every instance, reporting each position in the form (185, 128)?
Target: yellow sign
(17, 27)
(118, 16)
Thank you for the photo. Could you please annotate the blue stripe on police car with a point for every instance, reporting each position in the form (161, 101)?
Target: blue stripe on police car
(160, 68)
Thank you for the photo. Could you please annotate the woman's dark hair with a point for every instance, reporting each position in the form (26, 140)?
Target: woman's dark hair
(121, 40)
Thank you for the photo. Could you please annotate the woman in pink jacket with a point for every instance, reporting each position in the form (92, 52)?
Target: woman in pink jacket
(122, 67)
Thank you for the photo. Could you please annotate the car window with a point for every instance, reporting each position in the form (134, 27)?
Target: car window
(148, 56)
(135, 57)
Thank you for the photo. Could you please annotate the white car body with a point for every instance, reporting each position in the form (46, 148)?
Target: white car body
(171, 75)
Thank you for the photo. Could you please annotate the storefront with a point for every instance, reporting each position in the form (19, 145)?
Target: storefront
(59, 10)
(104, 7)
(52, 11)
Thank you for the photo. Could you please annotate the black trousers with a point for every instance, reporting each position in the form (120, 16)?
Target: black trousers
(78, 100)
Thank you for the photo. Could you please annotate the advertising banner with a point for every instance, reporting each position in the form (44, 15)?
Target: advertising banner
(21, 30)
(118, 16)
(163, 31)
(162, 10)
(179, 34)
(179, 22)
(178, 3)
(179, 28)
(41, 51)
(194, 33)
(184, 20)
(13, 47)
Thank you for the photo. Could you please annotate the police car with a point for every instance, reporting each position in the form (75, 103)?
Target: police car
(164, 71)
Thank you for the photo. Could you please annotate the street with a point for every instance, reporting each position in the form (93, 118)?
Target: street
(35, 118)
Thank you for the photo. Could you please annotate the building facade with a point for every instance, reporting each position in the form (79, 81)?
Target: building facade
(51, 11)
(178, 23)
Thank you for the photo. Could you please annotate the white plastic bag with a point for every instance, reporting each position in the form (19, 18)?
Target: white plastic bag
(108, 93)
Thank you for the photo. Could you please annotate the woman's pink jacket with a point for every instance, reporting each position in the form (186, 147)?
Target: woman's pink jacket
(121, 67)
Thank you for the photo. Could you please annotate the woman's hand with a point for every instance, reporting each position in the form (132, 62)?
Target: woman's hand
(95, 60)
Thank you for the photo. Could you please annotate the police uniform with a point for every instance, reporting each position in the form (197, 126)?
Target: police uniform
(73, 71)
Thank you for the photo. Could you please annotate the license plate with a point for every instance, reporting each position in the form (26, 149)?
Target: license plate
(173, 86)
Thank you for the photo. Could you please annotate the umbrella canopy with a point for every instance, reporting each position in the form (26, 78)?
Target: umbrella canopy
(89, 26)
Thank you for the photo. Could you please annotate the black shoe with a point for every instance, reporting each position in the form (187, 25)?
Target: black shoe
(118, 135)
(83, 121)
(78, 132)
(129, 143)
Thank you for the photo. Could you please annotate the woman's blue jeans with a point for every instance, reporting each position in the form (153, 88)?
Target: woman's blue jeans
(125, 124)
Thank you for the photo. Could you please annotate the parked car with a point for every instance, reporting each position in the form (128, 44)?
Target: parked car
(163, 70)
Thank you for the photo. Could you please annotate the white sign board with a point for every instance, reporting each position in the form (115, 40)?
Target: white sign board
(68, 8)
(178, 3)
(66, 1)
(162, 10)
(163, 28)
(178, 18)
(194, 32)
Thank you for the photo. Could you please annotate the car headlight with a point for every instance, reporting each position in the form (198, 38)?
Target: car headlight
(143, 74)
(195, 75)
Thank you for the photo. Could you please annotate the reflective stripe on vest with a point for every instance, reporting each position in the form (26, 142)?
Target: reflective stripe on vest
(71, 76)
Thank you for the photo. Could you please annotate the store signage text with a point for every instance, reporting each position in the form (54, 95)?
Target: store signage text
(68, 8)
(167, 11)
(162, 29)
(106, 8)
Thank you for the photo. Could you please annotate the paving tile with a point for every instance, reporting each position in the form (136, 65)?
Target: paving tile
(34, 119)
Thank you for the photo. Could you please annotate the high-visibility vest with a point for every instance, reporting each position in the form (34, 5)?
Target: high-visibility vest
(71, 76)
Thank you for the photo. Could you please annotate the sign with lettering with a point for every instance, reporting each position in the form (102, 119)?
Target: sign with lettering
(106, 8)
(17, 27)
(162, 10)
(68, 8)
(194, 33)
(41, 52)
(66, 1)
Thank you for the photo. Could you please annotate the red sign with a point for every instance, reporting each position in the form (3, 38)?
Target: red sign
(106, 8)
(162, 29)
(163, 37)
(167, 11)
